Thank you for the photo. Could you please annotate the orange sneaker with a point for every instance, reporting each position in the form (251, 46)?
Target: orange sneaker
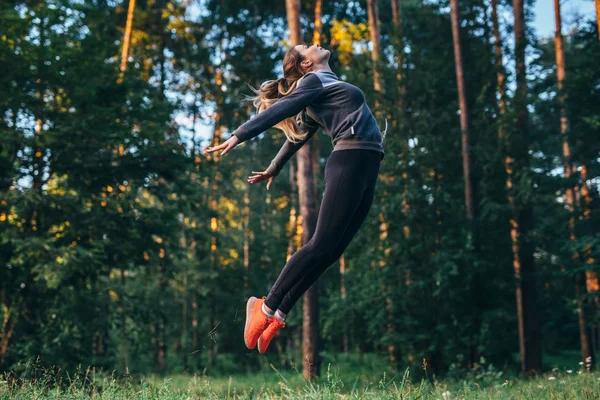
(256, 321)
(269, 334)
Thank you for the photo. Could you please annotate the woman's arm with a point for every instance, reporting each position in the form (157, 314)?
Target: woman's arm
(289, 148)
(309, 88)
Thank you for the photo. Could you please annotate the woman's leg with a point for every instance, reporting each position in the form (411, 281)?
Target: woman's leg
(307, 280)
(348, 174)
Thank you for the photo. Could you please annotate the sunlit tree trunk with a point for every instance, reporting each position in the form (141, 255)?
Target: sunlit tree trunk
(343, 295)
(591, 277)
(318, 31)
(126, 40)
(317, 38)
(375, 35)
(598, 16)
(522, 219)
(584, 330)
(293, 219)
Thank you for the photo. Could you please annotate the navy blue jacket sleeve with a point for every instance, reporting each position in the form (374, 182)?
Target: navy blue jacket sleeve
(309, 88)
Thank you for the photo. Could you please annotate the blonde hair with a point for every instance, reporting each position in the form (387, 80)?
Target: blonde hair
(272, 90)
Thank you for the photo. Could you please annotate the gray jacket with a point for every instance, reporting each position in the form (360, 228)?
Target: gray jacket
(320, 100)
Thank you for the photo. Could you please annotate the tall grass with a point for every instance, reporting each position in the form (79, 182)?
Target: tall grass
(51, 383)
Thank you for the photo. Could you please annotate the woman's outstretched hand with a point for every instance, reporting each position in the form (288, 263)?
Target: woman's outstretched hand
(261, 176)
(227, 145)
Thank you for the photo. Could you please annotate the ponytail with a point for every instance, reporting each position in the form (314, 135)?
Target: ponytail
(267, 94)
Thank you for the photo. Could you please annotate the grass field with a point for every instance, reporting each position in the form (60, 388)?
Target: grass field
(336, 382)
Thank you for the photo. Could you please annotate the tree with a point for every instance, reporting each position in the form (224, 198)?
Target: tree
(307, 202)
(522, 219)
(580, 277)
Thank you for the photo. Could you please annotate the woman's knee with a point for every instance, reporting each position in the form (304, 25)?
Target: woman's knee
(320, 250)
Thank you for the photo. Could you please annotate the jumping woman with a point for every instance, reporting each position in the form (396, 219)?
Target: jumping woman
(313, 97)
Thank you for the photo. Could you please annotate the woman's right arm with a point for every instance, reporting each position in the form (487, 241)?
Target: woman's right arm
(307, 91)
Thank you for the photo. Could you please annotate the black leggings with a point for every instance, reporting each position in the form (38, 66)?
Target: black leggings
(350, 177)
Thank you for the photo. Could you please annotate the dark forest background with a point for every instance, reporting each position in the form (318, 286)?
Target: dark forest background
(124, 247)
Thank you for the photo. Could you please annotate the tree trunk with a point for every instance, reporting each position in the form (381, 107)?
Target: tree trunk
(529, 326)
(184, 299)
(598, 16)
(6, 331)
(467, 167)
(401, 107)
(500, 74)
(464, 116)
(318, 31)
(509, 168)
(292, 9)
(293, 219)
(126, 40)
(374, 31)
(343, 297)
(310, 326)
(246, 237)
(317, 37)
(375, 35)
(584, 330)
(158, 327)
(214, 226)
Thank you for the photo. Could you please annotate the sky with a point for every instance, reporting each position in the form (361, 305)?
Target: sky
(570, 11)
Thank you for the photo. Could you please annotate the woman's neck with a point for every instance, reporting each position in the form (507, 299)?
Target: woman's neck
(321, 67)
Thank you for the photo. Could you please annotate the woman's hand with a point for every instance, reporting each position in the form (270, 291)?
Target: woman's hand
(227, 145)
(261, 176)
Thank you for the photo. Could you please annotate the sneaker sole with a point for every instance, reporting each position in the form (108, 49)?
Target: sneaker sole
(259, 345)
(249, 307)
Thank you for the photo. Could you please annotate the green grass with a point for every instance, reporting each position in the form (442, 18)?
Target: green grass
(339, 380)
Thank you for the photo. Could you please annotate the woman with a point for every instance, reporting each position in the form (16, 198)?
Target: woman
(315, 98)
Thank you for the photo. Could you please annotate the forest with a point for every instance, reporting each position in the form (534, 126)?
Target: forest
(124, 247)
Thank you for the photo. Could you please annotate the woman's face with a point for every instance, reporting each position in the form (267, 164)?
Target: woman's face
(314, 54)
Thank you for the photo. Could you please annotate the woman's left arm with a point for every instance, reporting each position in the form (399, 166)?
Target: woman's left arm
(289, 149)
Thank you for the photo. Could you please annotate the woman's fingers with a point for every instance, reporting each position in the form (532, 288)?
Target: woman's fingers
(215, 148)
(256, 178)
(228, 148)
